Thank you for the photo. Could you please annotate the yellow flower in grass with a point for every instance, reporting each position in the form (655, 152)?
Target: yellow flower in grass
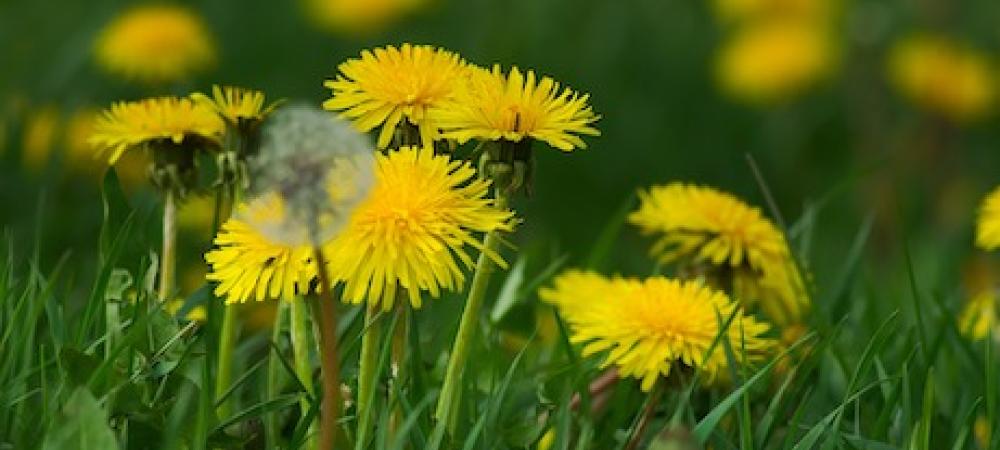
(988, 222)
(236, 105)
(133, 125)
(648, 326)
(980, 314)
(247, 265)
(389, 85)
(358, 16)
(491, 106)
(155, 44)
(40, 134)
(414, 228)
(943, 76)
(701, 225)
(775, 60)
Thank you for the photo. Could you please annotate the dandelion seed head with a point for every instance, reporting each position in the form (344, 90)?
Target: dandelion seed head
(319, 166)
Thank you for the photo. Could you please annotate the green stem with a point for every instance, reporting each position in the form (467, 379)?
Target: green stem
(367, 371)
(448, 402)
(300, 356)
(271, 428)
(228, 332)
(400, 333)
(168, 257)
(324, 310)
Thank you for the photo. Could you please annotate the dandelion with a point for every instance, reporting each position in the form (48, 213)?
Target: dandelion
(246, 265)
(988, 222)
(980, 315)
(414, 229)
(700, 225)
(392, 87)
(129, 126)
(774, 60)
(358, 17)
(649, 326)
(155, 44)
(240, 108)
(492, 106)
(944, 77)
(41, 130)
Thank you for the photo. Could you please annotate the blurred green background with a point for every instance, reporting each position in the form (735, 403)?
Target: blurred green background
(846, 148)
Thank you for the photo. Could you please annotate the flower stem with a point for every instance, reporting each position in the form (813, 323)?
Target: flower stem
(324, 311)
(647, 414)
(368, 368)
(228, 332)
(300, 355)
(167, 255)
(273, 373)
(447, 406)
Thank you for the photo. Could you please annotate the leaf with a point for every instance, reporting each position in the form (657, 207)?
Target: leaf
(509, 291)
(81, 425)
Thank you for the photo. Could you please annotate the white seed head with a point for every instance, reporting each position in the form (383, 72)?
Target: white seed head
(312, 171)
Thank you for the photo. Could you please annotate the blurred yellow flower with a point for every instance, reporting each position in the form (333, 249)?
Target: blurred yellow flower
(132, 125)
(979, 315)
(247, 265)
(79, 155)
(239, 107)
(389, 86)
(774, 60)
(982, 432)
(41, 130)
(418, 219)
(358, 16)
(734, 11)
(648, 326)
(944, 76)
(155, 44)
(195, 314)
(492, 106)
(695, 224)
(988, 222)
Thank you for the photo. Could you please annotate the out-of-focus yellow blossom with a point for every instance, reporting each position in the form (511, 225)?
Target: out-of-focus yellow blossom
(648, 326)
(774, 60)
(944, 76)
(195, 314)
(988, 222)
(157, 43)
(197, 213)
(982, 431)
(979, 316)
(358, 16)
(701, 225)
(79, 156)
(41, 132)
(742, 11)
(549, 438)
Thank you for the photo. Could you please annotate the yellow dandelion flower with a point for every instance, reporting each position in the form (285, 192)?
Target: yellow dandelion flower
(774, 60)
(155, 44)
(943, 76)
(988, 222)
(980, 314)
(389, 85)
(648, 326)
(418, 219)
(40, 132)
(132, 125)
(358, 17)
(702, 225)
(247, 265)
(236, 105)
(492, 106)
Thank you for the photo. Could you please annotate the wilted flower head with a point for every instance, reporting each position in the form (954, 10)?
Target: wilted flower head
(944, 76)
(319, 166)
(155, 44)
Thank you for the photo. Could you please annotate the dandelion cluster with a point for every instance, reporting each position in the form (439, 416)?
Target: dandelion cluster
(155, 44)
(649, 326)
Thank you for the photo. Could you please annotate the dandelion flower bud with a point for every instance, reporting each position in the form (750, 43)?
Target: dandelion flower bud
(318, 166)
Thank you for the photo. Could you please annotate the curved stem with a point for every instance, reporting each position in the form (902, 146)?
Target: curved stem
(448, 402)
(228, 332)
(368, 368)
(273, 373)
(324, 311)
